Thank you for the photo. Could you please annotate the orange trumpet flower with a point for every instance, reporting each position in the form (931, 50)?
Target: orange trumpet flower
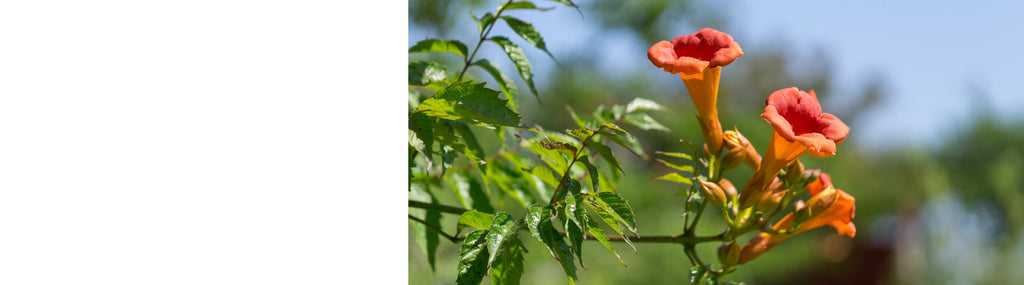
(698, 59)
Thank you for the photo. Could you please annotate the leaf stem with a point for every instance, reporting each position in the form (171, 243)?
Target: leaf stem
(575, 157)
(483, 36)
(453, 239)
(437, 207)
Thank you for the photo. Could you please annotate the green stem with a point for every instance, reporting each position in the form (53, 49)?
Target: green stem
(575, 156)
(437, 207)
(483, 36)
(453, 239)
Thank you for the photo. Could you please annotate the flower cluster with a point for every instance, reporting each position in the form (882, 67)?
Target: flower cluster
(779, 177)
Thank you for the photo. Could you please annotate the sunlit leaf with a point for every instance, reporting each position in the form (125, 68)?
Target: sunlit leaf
(511, 182)
(623, 213)
(525, 5)
(608, 216)
(575, 225)
(606, 154)
(483, 21)
(582, 121)
(676, 166)
(676, 154)
(445, 134)
(644, 122)
(502, 230)
(528, 33)
(473, 259)
(559, 146)
(436, 45)
(539, 222)
(519, 59)
(507, 269)
(474, 218)
(641, 104)
(426, 72)
(675, 177)
(470, 103)
(507, 86)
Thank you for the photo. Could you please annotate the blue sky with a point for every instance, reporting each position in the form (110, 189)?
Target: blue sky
(940, 60)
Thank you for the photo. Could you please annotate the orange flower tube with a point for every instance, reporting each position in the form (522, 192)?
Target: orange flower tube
(698, 59)
(800, 127)
(839, 215)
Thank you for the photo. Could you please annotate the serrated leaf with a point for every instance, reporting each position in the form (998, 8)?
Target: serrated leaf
(445, 134)
(426, 239)
(539, 222)
(575, 235)
(582, 133)
(676, 166)
(544, 174)
(483, 21)
(629, 143)
(507, 269)
(472, 144)
(609, 217)
(582, 121)
(572, 187)
(617, 130)
(641, 104)
(595, 230)
(470, 103)
(426, 72)
(623, 213)
(559, 146)
(515, 54)
(553, 158)
(504, 83)
(473, 259)
(502, 230)
(675, 177)
(606, 154)
(437, 45)
(574, 230)
(470, 193)
(511, 182)
(474, 218)
(644, 122)
(529, 33)
(697, 274)
(422, 131)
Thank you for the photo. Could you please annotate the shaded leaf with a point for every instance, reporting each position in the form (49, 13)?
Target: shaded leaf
(582, 121)
(525, 5)
(444, 133)
(574, 230)
(511, 182)
(502, 230)
(471, 144)
(507, 86)
(436, 45)
(598, 234)
(483, 21)
(620, 207)
(527, 32)
(470, 103)
(644, 122)
(470, 193)
(519, 59)
(539, 222)
(606, 154)
(426, 72)
(609, 217)
(641, 104)
(473, 259)
(426, 239)
(592, 170)
(507, 269)
(474, 218)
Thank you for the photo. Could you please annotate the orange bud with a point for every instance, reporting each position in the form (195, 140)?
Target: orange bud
(729, 253)
(713, 193)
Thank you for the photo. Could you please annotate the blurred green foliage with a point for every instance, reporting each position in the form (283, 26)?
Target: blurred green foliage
(897, 187)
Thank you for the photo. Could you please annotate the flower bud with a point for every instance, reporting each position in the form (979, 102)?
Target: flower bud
(729, 253)
(745, 152)
(733, 158)
(817, 205)
(728, 188)
(770, 200)
(794, 172)
(713, 193)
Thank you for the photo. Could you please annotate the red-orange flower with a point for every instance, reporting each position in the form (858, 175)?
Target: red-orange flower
(800, 127)
(839, 214)
(698, 59)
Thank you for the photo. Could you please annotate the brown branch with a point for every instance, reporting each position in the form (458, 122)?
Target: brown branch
(453, 239)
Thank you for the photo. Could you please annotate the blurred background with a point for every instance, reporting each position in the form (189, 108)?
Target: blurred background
(934, 156)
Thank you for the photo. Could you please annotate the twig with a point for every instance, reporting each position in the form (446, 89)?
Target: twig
(432, 226)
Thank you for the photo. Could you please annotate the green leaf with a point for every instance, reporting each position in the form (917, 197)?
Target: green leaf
(582, 133)
(677, 166)
(525, 5)
(470, 103)
(539, 222)
(582, 121)
(623, 213)
(503, 229)
(444, 133)
(675, 177)
(606, 154)
(574, 230)
(507, 269)
(519, 59)
(474, 218)
(436, 45)
(507, 86)
(697, 274)
(595, 230)
(544, 174)
(473, 259)
(575, 235)
(528, 33)
(559, 146)
(676, 154)
(471, 144)
(426, 239)
(641, 104)
(483, 21)
(426, 72)
(469, 192)
(609, 217)
(644, 122)
(603, 114)
(592, 170)
(511, 182)
(625, 140)
(572, 187)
